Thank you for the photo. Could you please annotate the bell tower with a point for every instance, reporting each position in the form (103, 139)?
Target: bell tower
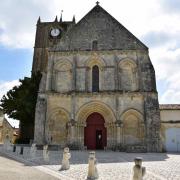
(47, 35)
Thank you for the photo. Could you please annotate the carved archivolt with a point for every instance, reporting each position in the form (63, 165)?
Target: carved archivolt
(95, 60)
(127, 63)
(63, 65)
(95, 106)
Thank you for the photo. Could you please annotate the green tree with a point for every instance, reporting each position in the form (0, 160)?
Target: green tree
(20, 102)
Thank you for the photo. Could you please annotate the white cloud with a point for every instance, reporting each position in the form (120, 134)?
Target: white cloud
(167, 65)
(6, 86)
(155, 22)
(170, 97)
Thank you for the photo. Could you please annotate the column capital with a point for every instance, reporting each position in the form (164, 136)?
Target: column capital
(72, 122)
(119, 123)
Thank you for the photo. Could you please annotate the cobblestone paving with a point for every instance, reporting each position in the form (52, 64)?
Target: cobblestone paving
(111, 165)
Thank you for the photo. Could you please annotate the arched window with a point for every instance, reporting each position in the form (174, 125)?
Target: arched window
(95, 45)
(95, 78)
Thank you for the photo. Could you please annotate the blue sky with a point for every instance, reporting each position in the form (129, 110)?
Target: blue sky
(156, 23)
(15, 63)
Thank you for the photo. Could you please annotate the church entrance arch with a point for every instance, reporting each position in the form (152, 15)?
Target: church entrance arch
(90, 117)
(95, 132)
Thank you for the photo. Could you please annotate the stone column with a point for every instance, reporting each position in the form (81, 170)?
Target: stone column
(116, 78)
(118, 134)
(40, 119)
(74, 74)
(72, 135)
(87, 80)
(50, 73)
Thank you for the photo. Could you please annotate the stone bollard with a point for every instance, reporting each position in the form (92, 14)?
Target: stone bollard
(45, 153)
(33, 150)
(14, 148)
(139, 171)
(65, 160)
(7, 145)
(92, 169)
(21, 150)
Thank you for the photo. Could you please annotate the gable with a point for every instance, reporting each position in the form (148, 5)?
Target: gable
(98, 25)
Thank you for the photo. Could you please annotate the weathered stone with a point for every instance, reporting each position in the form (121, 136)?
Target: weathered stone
(127, 88)
(138, 170)
(33, 150)
(65, 161)
(45, 153)
(92, 169)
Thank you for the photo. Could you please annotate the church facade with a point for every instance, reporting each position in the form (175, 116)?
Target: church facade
(98, 89)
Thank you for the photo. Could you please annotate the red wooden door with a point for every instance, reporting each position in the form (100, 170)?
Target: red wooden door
(95, 132)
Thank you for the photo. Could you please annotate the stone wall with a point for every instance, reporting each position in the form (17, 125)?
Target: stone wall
(127, 99)
(119, 70)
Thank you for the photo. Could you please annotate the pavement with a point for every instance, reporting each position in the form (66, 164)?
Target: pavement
(111, 165)
(11, 169)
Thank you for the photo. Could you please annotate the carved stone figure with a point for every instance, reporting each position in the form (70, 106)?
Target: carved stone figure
(65, 161)
(46, 153)
(139, 171)
(92, 169)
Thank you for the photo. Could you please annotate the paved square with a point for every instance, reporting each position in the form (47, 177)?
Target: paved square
(111, 165)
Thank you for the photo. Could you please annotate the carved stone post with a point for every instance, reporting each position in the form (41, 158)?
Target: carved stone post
(65, 161)
(139, 171)
(46, 153)
(92, 169)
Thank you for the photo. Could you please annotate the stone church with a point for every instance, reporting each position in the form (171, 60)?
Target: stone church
(98, 89)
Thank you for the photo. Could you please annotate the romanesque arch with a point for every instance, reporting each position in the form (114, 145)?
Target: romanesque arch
(57, 130)
(133, 127)
(90, 63)
(63, 75)
(95, 106)
(128, 75)
(105, 111)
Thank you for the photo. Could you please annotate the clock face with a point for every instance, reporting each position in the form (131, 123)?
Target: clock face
(55, 32)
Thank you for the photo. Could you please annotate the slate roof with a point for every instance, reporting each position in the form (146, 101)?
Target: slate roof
(99, 25)
(169, 106)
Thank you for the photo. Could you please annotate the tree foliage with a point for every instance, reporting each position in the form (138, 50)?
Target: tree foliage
(20, 102)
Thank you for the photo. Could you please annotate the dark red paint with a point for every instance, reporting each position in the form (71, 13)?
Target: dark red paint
(95, 128)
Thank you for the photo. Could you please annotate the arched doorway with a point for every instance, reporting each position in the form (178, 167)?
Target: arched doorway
(95, 132)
